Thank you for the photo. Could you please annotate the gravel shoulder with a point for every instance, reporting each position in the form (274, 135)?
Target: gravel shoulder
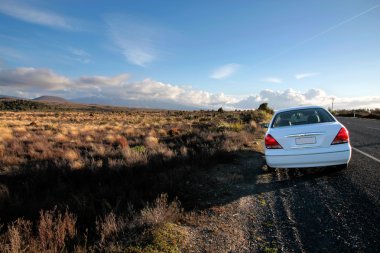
(249, 209)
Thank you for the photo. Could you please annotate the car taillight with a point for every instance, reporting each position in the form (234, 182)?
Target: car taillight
(341, 137)
(271, 142)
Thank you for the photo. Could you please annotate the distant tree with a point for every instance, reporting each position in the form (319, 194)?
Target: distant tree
(266, 108)
(220, 109)
(263, 107)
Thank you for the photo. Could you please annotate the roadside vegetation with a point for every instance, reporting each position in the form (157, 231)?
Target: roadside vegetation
(359, 113)
(114, 181)
(22, 105)
(18, 105)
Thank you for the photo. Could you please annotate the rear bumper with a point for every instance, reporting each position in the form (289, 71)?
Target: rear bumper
(308, 160)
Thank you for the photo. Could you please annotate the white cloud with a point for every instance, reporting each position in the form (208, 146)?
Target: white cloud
(225, 71)
(115, 81)
(33, 15)
(305, 75)
(271, 80)
(32, 82)
(150, 89)
(290, 97)
(41, 81)
(135, 39)
(315, 94)
(357, 102)
(33, 78)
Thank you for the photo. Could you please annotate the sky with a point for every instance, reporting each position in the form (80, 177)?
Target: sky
(235, 54)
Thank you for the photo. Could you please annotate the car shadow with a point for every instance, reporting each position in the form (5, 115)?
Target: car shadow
(254, 179)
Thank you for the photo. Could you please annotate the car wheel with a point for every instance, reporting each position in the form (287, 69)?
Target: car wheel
(270, 169)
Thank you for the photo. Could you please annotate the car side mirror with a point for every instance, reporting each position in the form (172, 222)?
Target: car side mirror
(265, 125)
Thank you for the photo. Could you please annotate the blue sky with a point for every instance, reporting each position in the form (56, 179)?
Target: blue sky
(204, 52)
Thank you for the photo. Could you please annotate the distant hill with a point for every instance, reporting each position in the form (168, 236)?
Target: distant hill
(52, 99)
(89, 103)
(151, 104)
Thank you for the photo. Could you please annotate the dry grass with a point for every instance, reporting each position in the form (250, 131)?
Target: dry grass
(55, 233)
(6, 134)
(55, 229)
(161, 211)
(80, 137)
(100, 164)
(109, 226)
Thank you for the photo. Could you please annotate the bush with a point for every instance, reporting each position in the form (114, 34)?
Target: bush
(55, 233)
(264, 107)
(161, 211)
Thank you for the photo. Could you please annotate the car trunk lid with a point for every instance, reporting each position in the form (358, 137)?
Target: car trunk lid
(306, 136)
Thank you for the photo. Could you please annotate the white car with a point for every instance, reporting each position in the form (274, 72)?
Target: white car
(307, 136)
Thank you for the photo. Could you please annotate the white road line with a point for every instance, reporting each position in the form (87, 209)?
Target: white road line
(374, 128)
(367, 155)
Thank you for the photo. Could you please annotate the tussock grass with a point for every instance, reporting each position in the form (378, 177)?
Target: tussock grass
(98, 165)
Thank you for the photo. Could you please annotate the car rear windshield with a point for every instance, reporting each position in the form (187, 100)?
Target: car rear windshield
(302, 117)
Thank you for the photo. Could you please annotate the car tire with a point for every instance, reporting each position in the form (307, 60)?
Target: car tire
(270, 169)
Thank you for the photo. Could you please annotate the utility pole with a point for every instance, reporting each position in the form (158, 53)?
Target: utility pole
(332, 104)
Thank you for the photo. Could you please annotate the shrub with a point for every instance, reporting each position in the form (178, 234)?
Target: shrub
(19, 236)
(252, 126)
(109, 226)
(54, 233)
(56, 229)
(161, 211)
(71, 155)
(166, 238)
(140, 149)
(264, 107)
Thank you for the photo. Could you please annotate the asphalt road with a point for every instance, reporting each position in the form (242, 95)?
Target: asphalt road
(364, 167)
(365, 134)
(327, 210)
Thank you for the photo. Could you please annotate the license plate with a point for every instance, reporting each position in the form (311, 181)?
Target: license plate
(305, 140)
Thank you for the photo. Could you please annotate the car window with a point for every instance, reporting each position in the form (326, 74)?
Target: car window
(302, 117)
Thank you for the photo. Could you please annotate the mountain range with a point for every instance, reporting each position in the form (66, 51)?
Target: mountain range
(53, 99)
(94, 100)
(248, 103)
(135, 103)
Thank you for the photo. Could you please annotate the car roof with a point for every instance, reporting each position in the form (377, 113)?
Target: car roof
(298, 107)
